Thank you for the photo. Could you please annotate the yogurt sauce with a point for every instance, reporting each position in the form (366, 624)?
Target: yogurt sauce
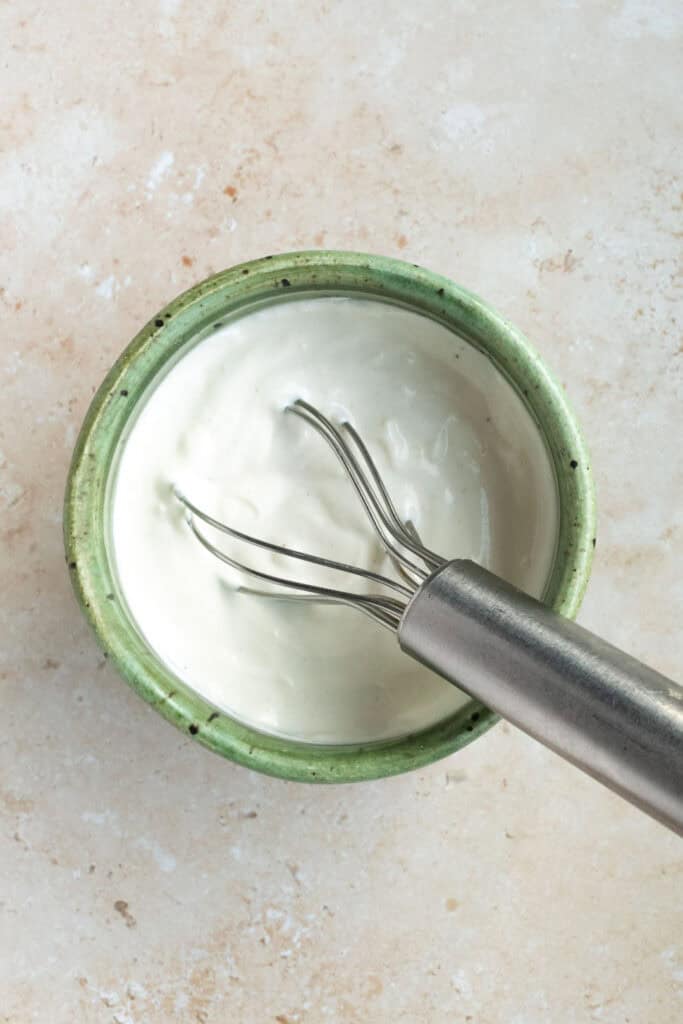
(459, 452)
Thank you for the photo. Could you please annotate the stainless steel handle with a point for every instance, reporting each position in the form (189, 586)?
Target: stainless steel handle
(599, 708)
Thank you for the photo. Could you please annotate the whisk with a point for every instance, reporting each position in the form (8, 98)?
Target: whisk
(601, 709)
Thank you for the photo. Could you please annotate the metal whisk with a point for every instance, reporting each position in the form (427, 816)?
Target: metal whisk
(400, 540)
(601, 709)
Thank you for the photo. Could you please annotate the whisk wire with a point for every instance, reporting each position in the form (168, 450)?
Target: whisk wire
(405, 532)
(378, 517)
(278, 549)
(387, 610)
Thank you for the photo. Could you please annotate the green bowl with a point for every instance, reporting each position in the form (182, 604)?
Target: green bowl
(233, 293)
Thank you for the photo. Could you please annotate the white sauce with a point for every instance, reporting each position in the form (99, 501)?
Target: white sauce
(455, 444)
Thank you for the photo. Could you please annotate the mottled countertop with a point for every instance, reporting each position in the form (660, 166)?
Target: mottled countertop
(530, 151)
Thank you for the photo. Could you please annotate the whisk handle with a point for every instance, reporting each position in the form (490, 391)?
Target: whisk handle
(601, 709)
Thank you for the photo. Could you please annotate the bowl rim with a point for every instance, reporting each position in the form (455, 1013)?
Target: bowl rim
(236, 291)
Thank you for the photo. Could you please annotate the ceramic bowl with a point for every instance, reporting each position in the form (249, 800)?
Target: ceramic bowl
(233, 293)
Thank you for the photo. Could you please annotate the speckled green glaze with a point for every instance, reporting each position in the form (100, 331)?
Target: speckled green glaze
(232, 293)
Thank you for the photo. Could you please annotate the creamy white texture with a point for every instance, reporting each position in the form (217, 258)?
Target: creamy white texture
(459, 452)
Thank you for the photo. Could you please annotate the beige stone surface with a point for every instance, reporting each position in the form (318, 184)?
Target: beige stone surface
(532, 152)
